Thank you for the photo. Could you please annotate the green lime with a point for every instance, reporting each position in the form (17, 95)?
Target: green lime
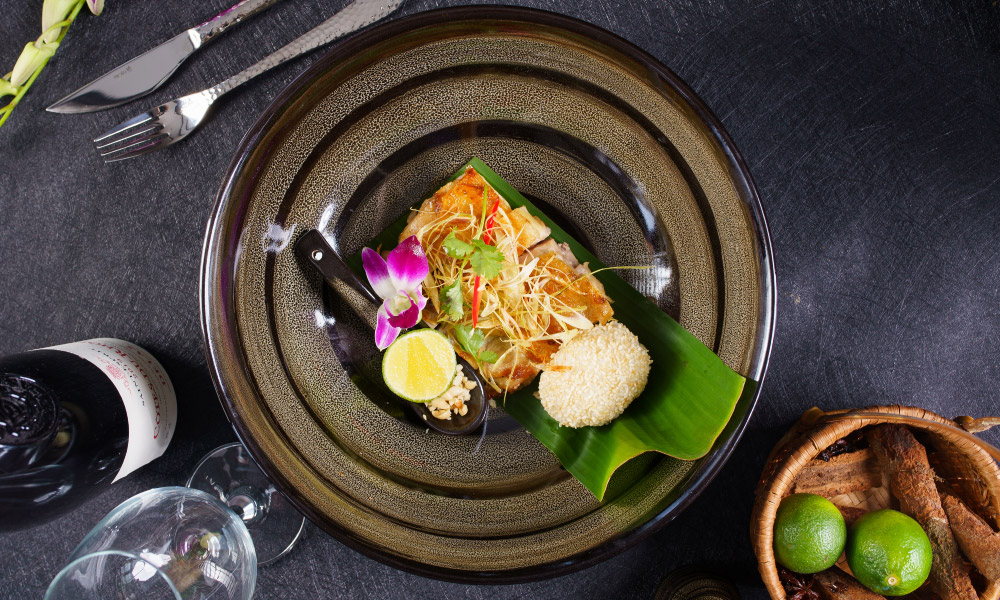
(889, 552)
(419, 366)
(809, 533)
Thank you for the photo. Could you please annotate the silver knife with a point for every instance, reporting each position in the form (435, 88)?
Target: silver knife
(171, 122)
(149, 70)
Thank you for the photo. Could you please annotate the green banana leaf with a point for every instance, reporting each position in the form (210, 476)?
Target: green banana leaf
(689, 397)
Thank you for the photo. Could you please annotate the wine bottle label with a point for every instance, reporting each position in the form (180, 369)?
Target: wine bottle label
(150, 402)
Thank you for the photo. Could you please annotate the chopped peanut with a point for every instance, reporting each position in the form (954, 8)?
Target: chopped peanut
(453, 400)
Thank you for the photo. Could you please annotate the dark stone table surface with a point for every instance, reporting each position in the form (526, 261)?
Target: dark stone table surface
(872, 130)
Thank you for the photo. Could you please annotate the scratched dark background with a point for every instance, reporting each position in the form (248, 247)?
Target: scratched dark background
(872, 130)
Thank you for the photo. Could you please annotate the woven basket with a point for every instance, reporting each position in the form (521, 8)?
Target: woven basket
(957, 459)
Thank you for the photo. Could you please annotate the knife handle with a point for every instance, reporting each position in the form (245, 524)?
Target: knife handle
(231, 16)
(354, 16)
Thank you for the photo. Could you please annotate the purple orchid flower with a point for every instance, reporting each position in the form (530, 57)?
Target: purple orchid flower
(398, 282)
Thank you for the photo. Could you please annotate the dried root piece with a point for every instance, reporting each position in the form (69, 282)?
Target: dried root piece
(977, 425)
(851, 442)
(841, 474)
(910, 479)
(852, 513)
(834, 584)
(979, 543)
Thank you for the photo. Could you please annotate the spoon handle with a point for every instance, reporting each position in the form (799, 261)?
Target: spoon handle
(313, 247)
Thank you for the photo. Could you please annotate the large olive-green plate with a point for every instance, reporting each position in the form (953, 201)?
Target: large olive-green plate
(600, 136)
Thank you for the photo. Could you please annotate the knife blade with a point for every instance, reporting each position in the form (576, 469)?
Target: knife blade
(136, 78)
(151, 69)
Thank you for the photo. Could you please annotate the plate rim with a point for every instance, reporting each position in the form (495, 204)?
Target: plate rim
(701, 476)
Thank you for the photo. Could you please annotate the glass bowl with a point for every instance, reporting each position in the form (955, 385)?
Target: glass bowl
(599, 135)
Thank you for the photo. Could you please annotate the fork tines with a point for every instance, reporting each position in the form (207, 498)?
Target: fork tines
(134, 137)
(164, 125)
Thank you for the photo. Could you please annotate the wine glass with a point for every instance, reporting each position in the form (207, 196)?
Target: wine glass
(196, 542)
(165, 543)
(230, 475)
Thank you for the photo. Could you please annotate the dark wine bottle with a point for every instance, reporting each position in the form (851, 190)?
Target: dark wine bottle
(74, 419)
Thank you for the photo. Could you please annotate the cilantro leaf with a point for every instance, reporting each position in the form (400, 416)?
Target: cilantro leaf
(453, 303)
(472, 341)
(485, 356)
(486, 260)
(469, 338)
(456, 247)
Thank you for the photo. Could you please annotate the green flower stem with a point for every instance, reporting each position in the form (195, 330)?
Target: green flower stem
(6, 110)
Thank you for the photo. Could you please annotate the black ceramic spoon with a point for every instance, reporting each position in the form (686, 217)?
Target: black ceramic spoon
(314, 249)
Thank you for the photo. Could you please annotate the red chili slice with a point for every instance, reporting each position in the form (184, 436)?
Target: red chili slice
(488, 239)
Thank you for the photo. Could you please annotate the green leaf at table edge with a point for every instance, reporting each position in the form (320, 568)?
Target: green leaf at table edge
(698, 391)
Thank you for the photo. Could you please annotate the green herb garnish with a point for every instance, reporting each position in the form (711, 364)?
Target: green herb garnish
(472, 341)
(455, 247)
(486, 260)
(452, 301)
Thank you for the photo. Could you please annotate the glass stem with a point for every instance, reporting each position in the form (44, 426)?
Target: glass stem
(249, 503)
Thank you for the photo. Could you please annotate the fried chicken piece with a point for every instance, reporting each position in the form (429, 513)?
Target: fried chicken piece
(577, 294)
(464, 196)
(574, 288)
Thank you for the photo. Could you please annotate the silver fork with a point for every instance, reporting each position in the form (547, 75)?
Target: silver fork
(171, 122)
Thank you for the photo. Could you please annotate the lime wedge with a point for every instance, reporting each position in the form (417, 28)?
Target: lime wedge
(419, 366)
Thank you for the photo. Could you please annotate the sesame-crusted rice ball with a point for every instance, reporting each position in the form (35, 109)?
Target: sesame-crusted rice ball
(593, 377)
